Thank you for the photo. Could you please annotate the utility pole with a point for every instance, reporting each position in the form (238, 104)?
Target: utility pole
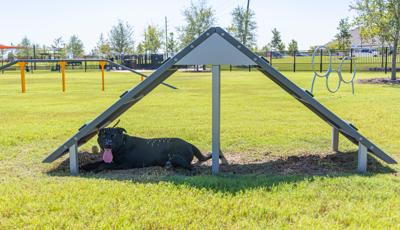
(246, 22)
(34, 56)
(166, 37)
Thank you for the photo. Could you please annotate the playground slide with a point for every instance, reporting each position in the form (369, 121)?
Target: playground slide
(8, 65)
(129, 98)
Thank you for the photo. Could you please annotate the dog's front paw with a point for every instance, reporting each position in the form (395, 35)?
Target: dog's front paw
(168, 165)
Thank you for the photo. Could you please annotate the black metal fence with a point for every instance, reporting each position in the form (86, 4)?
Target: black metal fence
(362, 59)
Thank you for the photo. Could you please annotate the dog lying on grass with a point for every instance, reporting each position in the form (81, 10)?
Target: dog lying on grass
(121, 151)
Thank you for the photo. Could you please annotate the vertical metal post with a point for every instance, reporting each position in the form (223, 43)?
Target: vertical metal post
(386, 59)
(335, 139)
(62, 66)
(320, 64)
(34, 56)
(216, 100)
(73, 159)
(2, 61)
(351, 60)
(23, 82)
(362, 158)
(85, 65)
(270, 57)
(294, 61)
(102, 64)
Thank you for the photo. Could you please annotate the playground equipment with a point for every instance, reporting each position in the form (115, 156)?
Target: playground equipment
(216, 47)
(63, 62)
(327, 74)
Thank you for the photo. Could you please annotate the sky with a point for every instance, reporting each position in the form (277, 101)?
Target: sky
(310, 22)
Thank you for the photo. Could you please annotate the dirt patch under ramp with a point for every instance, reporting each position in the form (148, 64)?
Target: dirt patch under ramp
(242, 164)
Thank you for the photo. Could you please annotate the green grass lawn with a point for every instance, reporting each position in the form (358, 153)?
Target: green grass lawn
(257, 117)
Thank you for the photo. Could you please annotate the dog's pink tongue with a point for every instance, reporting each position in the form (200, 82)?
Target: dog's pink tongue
(107, 156)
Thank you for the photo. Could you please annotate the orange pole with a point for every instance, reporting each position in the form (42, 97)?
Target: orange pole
(142, 78)
(62, 65)
(23, 82)
(102, 64)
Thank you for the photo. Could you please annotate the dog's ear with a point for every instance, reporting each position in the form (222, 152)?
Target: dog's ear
(122, 130)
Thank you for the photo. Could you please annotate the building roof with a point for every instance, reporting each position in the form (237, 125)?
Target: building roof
(4, 47)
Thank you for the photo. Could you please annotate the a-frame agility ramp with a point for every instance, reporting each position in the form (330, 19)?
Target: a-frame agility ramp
(216, 47)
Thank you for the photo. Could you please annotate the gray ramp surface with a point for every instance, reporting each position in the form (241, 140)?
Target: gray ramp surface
(132, 96)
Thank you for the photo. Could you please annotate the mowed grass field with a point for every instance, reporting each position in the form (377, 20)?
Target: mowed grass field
(257, 118)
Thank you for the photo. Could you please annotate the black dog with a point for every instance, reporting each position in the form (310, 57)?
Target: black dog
(121, 151)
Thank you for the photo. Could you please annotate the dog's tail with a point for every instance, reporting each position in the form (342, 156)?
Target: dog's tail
(201, 157)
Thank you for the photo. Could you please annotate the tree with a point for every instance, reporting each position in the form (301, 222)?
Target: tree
(172, 44)
(140, 48)
(10, 56)
(152, 39)
(312, 49)
(265, 49)
(276, 42)
(121, 38)
(25, 52)
(380, 18)
(293, 46)
(198, 17)
(103, 47)
(58, 47)
(246, 34)
(281, 47)
(75, 46)
(343, 36)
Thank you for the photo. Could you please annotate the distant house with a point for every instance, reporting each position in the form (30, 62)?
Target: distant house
(356, 40)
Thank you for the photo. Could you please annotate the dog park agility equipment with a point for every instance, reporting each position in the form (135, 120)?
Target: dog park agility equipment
(216, 47)
(328, 72)
(63, 62)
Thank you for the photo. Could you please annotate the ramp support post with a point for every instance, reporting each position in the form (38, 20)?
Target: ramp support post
(102, 64)
(216, 100)
(22, 70)
(62, 66)
(335, 139)
(362, 158)
(73, 159)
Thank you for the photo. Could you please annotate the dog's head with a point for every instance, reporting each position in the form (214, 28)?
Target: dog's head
(111, 138)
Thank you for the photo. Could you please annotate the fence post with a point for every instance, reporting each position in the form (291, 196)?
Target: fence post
(351, 60)
(320, 64)
(230, 68)
(382, 54)
(386, 59)
(294, 61)
(85, 64)
(31, 69)
(270, 57)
